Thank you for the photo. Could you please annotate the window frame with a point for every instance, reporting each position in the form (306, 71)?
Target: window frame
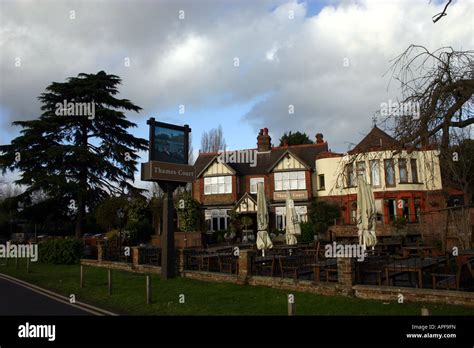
(259, 179)
(294, 180)
(372, 167)
(405, 168)
(385, 167)
(414, 171)
(218, 185)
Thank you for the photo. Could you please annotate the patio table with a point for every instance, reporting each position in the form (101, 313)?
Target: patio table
(412, 265)
(407, 251)
(321, 264)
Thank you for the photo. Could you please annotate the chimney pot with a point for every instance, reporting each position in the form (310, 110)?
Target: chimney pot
(319, 138)
(264, 141)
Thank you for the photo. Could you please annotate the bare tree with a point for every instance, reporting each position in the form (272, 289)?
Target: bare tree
(440, 84)
(213, 141)
(443, 13)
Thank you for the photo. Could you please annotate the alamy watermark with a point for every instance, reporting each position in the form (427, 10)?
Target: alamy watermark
(37, 331)
(238, 156)
(334, 250)
(400, 109)
(26, 251)
(75, 109)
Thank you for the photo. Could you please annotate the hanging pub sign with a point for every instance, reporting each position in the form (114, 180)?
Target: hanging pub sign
(168, 153)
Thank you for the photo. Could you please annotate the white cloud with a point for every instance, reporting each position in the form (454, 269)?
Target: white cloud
(297, 61)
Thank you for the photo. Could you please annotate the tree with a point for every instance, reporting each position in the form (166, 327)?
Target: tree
(106, 212)
(189, 212)
(213, 141)
(459, 165)
(296, 138)
(322, 214)
(77, 157)
(440, 86)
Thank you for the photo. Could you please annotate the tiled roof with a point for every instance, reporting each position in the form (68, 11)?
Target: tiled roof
(266, 160)
(376, 140)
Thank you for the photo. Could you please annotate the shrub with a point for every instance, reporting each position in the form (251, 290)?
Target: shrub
(60, 251)
(307, 232)
(189, 212)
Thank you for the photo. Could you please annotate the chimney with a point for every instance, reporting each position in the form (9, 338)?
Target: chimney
(263, 141)
(319, 138)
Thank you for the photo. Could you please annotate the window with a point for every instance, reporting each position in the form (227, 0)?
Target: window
(290, 181)
(414, 170)
(321, 182)
(350, 175)
(361, 170)
(389, 173)
(216, 219)
(402, 168)
(280, 216)
(217, 185)
(254, 182)
(375, 173)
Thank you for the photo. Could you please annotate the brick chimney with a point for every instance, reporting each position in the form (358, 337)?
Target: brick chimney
(319, 138)
(264, 141)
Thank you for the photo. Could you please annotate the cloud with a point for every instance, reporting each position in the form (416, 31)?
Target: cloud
(330, 66)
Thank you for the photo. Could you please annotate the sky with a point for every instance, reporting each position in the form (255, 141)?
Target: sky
(328, 60)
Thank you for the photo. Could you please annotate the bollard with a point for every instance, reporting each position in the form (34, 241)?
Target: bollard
(109, 276)
(291, 305)
(81, 283)
(425, 311)
(291, 309)
(148, 290)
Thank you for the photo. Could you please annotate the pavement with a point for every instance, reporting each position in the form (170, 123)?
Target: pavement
(20, 298)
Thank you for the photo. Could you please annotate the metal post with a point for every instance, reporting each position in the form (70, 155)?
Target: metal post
(109, 278)
(81, 283)
(167, 235)
(148, 290)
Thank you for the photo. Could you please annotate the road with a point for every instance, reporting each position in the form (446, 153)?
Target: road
(16, 299)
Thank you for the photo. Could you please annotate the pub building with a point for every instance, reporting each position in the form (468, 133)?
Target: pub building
(405, 183)
(220, 186)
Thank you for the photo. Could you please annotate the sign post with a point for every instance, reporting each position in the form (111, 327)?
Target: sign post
(168, 166)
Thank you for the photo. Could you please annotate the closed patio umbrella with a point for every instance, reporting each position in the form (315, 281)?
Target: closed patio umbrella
(366, 214)
(292, 224)
(263, 239)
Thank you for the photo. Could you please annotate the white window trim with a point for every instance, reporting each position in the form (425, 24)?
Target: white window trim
(286, 183)
(212, 185)
(259, 179)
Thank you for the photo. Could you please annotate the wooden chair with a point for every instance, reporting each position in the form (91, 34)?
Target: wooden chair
(449, 277)
(228, 264)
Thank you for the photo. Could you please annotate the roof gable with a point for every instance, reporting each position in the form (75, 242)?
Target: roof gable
(376, 140)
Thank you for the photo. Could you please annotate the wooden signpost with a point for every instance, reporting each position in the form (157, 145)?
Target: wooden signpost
(168, 166)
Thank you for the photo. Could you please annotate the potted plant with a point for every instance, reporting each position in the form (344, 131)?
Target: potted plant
(247, 234)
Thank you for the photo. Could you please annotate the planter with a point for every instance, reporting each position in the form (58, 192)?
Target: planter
(247, 235)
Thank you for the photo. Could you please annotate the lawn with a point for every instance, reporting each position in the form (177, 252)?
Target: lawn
(202, 298)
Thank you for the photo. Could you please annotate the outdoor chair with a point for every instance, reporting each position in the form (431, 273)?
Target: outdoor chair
(294, 265)
(228, 264)
(263, 268)
(454, 276)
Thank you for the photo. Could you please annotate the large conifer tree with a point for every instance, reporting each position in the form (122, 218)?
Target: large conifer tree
(77, 159)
